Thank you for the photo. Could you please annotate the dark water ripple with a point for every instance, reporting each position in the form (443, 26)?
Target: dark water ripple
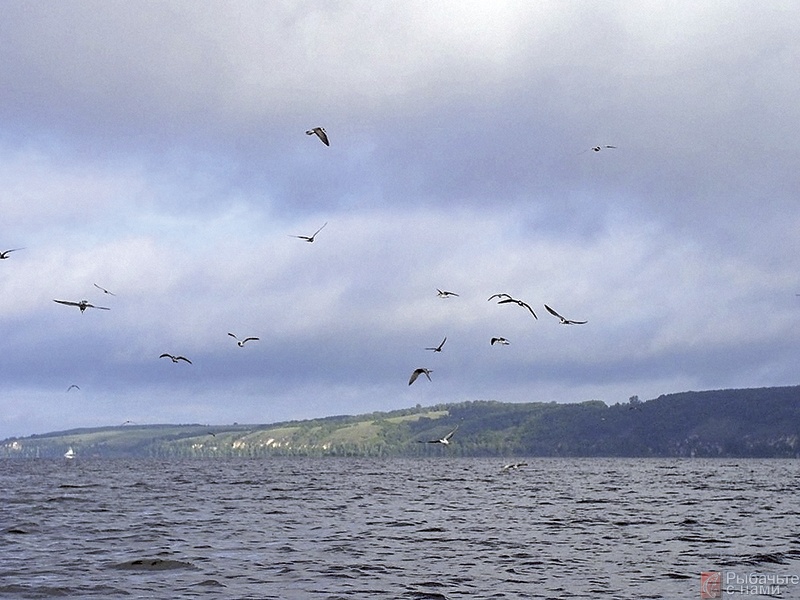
(410, 529)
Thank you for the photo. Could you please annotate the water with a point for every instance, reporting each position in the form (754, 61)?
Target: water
(298, 528)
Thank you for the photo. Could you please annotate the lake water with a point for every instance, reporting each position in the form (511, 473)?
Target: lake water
(295, 528)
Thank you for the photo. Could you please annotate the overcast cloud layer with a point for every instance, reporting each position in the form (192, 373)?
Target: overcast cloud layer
(158, 150)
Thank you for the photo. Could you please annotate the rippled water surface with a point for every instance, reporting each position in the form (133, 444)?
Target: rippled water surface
(395, 528)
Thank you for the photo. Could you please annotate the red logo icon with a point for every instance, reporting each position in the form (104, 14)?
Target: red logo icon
(711, 584)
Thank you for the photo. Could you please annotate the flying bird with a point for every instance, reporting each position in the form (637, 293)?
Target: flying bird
(508, 299)
(104, 290)
(310, 238)
(444, 293)
(513, 466)
(500, 340)
(175, 358)
(444, 441)
(320, 133)
(562, 319)
(241, 343)
(73, 386)
(82, 305)
(418, 372)
(597, 148)
(4, 254)
(439, 347)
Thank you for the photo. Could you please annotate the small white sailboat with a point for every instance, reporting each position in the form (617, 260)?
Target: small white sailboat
(69, 454)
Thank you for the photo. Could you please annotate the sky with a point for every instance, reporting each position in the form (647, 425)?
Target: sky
(158, 150)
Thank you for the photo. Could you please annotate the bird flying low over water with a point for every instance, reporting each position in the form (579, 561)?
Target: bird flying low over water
(4, 254)
(444, 293)
(418, 372)
(82, 305)
(562, 319)
(500, 340)
(241, 343)
(513, 466)
(320, 133)
(439, 347)
(175, 358)
(508, 299)
(444, 441)
(310, 238)
(104, 290)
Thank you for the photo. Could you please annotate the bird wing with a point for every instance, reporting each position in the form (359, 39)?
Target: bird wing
(165, 355)
(183, 358)
(323, 136)
(577, 322)
(67, 302)
(233, 336)
(552, 312)
(528, 306)
(249, 339)
(318, 230)
(97, 307)
(414, 376)
(449, 435)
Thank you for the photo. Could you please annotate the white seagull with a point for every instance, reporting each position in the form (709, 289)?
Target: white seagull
(444, 293)
(500, 340)
(320, 133)
(4, 254)
(444, 441)
(241, 343)
(82, 305)
(439, 347)
(310, 238)
(104, 290)
(418, 372)
(507, 298)
(175, 358)
(562, 319)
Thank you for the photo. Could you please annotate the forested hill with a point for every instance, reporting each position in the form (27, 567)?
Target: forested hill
(761, 422)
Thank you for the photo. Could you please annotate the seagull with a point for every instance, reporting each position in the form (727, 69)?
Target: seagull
(439, 347)
(444, 441)
(4, 254)
(562, 319)
(506, 299)
(320, 133)
(418, 372)
(73, 386)
(241, 343)
(175, 358)
(512, 466)
(597, 148)
(104, 290)
(500, 340)
(82, 305)
(310, 238)
(444, 293)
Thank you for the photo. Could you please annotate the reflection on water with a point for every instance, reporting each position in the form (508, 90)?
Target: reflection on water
(395, 528)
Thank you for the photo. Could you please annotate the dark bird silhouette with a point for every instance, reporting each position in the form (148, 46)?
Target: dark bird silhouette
(562, 319)
(73, 386)
(310, 238)
(418, 372)
(82, 305)
(439, 347)
(104, 290)
(320, 133)
(444, 441)
(444, 293)
(175, 358)
(4, 254)
(500, 340)
(506, 299)
(241, 343)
